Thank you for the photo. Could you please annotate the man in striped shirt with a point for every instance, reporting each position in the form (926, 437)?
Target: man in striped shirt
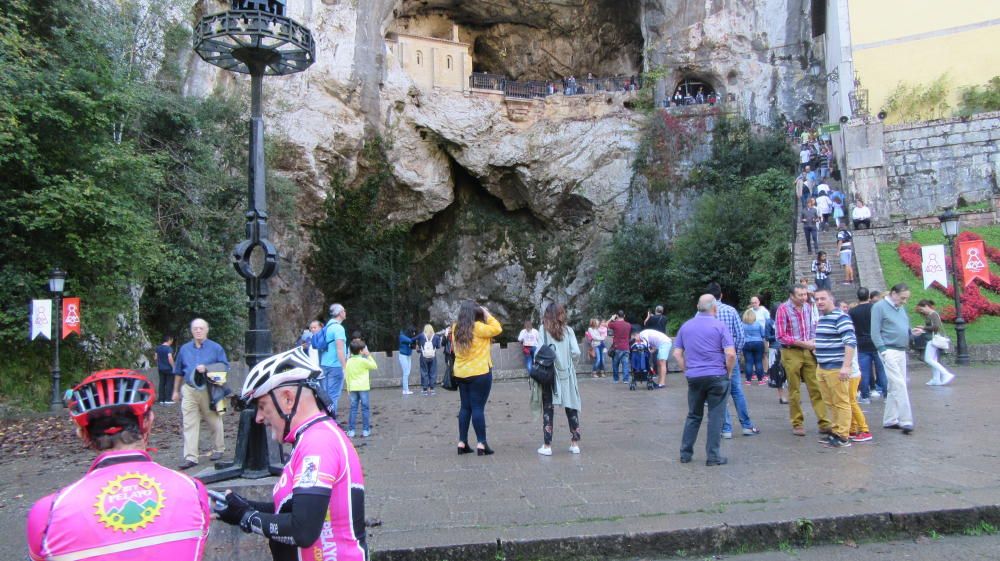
(796, 332)
(835, 348)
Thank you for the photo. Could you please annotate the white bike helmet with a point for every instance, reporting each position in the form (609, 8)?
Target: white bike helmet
(289, 368)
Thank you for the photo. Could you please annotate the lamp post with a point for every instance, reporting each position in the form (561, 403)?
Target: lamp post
(254, 37)
(57, 283)
(949, 226)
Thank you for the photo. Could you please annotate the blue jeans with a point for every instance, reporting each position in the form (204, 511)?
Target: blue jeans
(753, 355)
(620, 364)
(740, 400)
(711, 391)
(473, 392)
(365, 413)
(865, 362)
(428, 373)
(528, 358)
(333, 381)
(598, 358)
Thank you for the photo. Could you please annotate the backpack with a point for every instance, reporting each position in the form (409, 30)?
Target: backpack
(428, 350)
(319, 340)
(769, 333)
(543, 367)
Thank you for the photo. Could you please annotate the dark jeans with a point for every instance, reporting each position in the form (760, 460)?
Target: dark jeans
(572, 415)
(812, 239)
(710, 390)
(823, 283)
(867, 223)
(428, 373)
(866, 361)
(474, 392)
(165, 387)
(753, 354)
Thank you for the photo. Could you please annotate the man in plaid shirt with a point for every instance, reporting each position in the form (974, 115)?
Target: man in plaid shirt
(731, 318)
(796, 330)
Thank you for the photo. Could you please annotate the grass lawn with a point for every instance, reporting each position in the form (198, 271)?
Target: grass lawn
(986, 329)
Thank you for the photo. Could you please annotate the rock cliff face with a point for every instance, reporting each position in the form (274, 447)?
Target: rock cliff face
(523, 193)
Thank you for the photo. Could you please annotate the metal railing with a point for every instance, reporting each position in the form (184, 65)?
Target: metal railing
(528, 89)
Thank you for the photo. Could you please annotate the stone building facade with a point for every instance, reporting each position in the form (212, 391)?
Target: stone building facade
(431, 62)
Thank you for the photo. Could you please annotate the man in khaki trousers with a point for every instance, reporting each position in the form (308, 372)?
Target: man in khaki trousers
(191, 386)
(796, 331)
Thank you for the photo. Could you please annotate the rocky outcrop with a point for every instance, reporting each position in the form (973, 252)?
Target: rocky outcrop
(523, 195)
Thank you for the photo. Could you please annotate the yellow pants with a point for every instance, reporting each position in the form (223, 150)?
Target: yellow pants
(800, 366)
(858, 421)
(838, 402)
(195, 409)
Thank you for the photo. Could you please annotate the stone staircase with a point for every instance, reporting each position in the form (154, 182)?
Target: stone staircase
(802, 261)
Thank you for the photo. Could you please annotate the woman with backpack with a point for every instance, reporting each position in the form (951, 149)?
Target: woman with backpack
(564, 390)
(427, 345)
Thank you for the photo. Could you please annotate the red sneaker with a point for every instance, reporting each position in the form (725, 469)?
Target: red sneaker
(862, 437)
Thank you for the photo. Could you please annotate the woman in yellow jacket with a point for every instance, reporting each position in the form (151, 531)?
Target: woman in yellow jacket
(473, 334)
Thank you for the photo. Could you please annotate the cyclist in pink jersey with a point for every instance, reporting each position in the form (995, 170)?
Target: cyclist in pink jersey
(318, 511)
(127, 507)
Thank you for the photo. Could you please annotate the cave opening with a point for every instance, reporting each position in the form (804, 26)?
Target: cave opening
(543, 40)
(694, 89)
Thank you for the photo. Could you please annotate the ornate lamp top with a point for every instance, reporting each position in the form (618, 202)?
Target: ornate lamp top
(255, 37)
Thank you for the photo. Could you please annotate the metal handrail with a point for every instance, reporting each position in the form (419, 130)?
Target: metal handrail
(527, 89)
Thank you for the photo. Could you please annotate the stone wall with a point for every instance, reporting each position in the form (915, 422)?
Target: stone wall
(911, 171)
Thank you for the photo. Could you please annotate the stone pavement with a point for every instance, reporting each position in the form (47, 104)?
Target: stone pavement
(628, 478)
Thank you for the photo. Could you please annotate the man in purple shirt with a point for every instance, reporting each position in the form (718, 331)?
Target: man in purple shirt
(705, 352)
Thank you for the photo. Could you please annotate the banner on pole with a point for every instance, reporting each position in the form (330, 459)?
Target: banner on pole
(972, 256)
(933, 265)
(41, 319)
(70, 317)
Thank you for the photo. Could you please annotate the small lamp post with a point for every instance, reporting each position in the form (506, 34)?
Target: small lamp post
(57, 283)
(254, 37)
(949, 226)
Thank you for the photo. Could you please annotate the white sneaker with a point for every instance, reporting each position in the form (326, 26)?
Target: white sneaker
(574, 449)
(407, 392)
(947, 380)
(933, 382)
(350, 434)
(727, 435)
(545, 450)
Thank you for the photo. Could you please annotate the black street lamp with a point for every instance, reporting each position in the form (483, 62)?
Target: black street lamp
(254, 37)
(949, 226)
(57, 283)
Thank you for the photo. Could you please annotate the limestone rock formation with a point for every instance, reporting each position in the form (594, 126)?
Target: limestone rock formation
(525, 193)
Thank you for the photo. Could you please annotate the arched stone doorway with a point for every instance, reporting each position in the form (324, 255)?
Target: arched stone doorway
(692, 90)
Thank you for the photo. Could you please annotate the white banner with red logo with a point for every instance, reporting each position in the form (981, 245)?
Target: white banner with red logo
(933, 265)
(41, 319)
(972, 257)
(70, 317)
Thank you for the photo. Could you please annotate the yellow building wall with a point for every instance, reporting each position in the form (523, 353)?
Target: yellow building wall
(433, 63)
(969, 57)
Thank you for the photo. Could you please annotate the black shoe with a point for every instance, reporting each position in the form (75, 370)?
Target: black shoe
(464, 449)
(721, 461)
(188, 464)
(907, 430)
(685, 460)
(484, 451)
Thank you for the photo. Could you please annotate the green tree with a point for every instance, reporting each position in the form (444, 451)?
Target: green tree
(919, 102)
(631, 273)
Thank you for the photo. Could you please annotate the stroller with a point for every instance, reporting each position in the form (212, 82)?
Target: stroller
(641, 364)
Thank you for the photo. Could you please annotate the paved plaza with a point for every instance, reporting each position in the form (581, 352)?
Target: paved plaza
(626, 484)
(628, 478)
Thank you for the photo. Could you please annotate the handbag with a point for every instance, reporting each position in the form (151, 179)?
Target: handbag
(543, 368)
(940, 341)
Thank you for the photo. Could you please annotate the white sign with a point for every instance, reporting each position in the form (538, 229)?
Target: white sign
(933, 265)
(41, 319)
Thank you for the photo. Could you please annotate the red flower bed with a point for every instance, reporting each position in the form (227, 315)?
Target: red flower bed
(974, 304)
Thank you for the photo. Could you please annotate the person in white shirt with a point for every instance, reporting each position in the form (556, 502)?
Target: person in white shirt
(662, 343)
(861, 214)
(804, 156)
(528, 337)
(825, 209)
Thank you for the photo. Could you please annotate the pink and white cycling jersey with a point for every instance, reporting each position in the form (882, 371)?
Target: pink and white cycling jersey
(324, 461)
(126, 508)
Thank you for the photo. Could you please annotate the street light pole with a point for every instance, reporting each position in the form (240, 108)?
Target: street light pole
(57, 280)
(950, 226)
(254, 37)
